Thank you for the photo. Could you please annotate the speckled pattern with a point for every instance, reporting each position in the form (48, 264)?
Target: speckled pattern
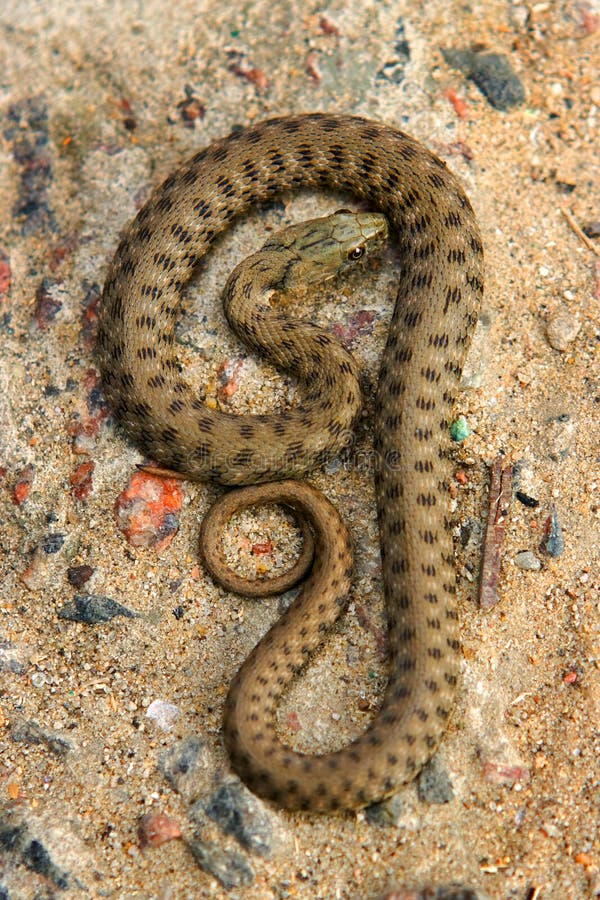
(440, 287)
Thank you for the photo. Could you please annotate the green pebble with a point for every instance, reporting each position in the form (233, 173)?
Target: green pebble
(459, 430)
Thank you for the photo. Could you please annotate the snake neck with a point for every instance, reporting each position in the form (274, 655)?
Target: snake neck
(316, 359)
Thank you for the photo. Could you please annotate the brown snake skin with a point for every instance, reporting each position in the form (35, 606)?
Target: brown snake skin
(439, 293)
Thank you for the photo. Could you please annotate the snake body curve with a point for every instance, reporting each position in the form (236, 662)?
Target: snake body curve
(440, 288)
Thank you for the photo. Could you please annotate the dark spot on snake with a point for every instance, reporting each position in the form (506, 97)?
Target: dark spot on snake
(142, 410)
(412, 318)
(329, 124)
(438, 340)
(170, 435)
(399, 566)
(452, 220)
(164, 204)
(431, 375)
(144, 234)
(423, 465)
(408, 664)
(423, 434)
(455, 255)
(147, 352)
(395, 388)
(117, 352)
(400, 692)
(436, 180)
(220, 154)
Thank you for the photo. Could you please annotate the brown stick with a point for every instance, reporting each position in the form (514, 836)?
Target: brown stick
(578, 231)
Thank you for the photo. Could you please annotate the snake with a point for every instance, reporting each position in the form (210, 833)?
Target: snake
(440, 284)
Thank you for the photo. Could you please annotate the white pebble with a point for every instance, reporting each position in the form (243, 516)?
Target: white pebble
(164, 714)
(528, 561)
(562, 329)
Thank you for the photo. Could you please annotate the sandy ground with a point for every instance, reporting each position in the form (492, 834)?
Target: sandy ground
(102, 724)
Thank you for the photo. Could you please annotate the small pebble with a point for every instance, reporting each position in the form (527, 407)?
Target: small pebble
(394, 68)
(434, 785)
(385, 814)
(23, 845)
(519, 15)
(48, 302)
(459, 430)
(500, 773)
(189, 768)
(244, 816)
(91, 609)
(147, 511)
(78, 575)
(527, 560)
(23, 485)
(81, 480)
(562, 329)
(228, 866)
(192, 108)
(526, 500)
(29, 732)
(157, 828)
(164, 714)
(493, 75)
(52, 543)
(553, 542)
(10, 658)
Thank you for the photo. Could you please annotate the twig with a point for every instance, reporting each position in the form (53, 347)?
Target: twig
(500, 498)
(580, 234)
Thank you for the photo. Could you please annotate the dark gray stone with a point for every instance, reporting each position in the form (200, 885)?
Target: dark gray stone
(29, 732)
(433, 785)
(492, 73)
(228, 866)
(241, 814)
(91, 609)
(385, 814)
(189, 767)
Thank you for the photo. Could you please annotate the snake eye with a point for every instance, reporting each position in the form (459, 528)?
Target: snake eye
(356, 253)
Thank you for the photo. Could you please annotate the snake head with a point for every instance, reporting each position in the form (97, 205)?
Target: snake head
(319, 249)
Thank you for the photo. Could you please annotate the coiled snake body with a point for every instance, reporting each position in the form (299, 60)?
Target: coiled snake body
(440, 287)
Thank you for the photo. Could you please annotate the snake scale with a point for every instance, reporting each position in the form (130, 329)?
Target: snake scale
(439, 293)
